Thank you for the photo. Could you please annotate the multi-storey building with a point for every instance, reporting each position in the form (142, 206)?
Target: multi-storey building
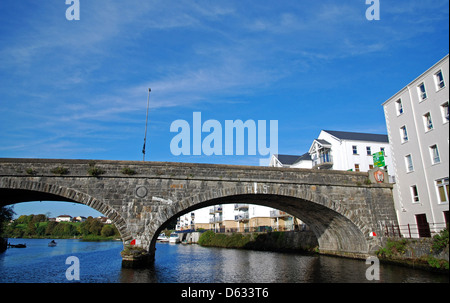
(338, 150)
(237, 217)
(417, 120)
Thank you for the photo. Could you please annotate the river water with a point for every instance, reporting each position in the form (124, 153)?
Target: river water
(100, 262)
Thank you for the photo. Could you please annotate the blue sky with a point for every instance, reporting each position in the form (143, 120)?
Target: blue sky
(78, 89)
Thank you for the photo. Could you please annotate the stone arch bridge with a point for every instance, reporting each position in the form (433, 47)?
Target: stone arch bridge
(341, 208)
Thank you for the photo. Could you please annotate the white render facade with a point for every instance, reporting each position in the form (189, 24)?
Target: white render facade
(417, 120)
(338, 150)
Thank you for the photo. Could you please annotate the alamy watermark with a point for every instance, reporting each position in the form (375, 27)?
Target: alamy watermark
(373, 11)
(73, 11)
(73, 272)
(373, 271)
(212, 138)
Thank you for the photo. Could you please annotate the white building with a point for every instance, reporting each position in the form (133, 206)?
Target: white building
(64, 218)
(237, 217)
(417, 119)
(338, 150)
(293, 161)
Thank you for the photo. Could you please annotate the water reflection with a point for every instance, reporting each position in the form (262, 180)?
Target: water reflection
(193, 263)
(100, 262)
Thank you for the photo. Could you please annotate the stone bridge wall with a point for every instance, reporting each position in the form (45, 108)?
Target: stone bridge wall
(340, 207)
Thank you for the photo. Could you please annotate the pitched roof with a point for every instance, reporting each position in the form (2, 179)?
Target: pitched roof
(358, 136)
(292, 159)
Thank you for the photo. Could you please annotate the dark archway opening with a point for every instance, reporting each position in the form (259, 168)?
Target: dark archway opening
(335, 233)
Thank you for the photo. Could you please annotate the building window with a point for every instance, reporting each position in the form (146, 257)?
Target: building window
(399, 106)
(414, 194)
(442, 189)
(355, 149)
(409, 163)
(382, 150)
(370, 166)
(403, 134)
(369, 151)
(428, 122)
(439, 79)
(444, 110)
(356, 167)
(422, 92)
(434, 154)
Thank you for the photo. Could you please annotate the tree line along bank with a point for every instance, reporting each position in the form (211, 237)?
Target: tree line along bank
(38, 226)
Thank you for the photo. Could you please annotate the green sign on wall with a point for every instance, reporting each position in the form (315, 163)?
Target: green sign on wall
(378, 159)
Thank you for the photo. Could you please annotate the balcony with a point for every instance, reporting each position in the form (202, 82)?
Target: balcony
(240, 206)
(322, 161)
(215, 209)
(278, 214)
(241, 217)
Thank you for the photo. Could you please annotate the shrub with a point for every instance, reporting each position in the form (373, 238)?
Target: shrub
(95, 171)
(128, 171)
(60, 171)
(440, 241)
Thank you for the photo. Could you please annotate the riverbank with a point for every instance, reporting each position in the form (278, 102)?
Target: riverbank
(425, 253)
(303, 241)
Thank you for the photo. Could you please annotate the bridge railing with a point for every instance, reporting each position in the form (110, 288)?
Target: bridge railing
(426, 230)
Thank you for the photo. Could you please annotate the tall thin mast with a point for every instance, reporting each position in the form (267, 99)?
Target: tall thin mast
(146, 122)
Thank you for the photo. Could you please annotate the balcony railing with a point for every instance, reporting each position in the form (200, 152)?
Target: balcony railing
(424, 230)
(215, 209)
(240, 206)
(323, 161)
(241, 217)
(278, 214)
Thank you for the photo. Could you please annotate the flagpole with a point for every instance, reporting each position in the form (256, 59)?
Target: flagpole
(146, 121)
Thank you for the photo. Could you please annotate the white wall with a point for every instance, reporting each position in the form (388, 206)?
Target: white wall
(425, 173)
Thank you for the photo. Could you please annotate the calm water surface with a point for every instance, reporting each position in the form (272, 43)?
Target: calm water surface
(100, 262)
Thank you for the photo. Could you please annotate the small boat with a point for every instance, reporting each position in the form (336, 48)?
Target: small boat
(52, 243)
(17, 245)
(174, 238)
(162, 238)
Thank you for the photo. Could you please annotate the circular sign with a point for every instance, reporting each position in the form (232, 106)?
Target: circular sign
(379, 176)
(141, 191)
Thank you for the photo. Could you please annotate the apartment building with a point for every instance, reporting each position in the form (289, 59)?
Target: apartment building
(417, 120)
(237, 217)
(339, 150)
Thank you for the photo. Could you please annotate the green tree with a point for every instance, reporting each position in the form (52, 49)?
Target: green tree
(50, 227)
(107, 231)
(31, 229)
(39, 218)
(6, 214)
(95, 228)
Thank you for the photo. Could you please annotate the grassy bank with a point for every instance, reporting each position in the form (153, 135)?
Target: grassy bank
(430, 254)
(272, 241)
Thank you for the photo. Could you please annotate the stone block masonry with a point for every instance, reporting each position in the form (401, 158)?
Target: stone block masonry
(341, 208)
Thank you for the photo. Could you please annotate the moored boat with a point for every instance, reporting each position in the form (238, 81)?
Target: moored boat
(17, 245)
(52, 243)
(174, 238)
(162, 238)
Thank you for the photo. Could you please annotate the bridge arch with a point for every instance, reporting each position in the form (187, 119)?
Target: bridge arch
(12, 192)
(337, 228)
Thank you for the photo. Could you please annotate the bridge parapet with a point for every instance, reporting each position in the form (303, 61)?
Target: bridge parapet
(182, 171)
